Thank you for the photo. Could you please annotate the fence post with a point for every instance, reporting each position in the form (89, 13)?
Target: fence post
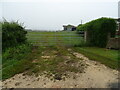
(85, 36)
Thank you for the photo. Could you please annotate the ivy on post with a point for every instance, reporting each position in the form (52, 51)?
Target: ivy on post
(99, 31)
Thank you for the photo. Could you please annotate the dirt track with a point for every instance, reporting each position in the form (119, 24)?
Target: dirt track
(96, 75)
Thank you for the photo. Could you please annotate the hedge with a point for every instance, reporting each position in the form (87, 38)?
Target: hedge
(13, 34)
(98, 31)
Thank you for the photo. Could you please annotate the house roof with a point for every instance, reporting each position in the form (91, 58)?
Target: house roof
(68, 25)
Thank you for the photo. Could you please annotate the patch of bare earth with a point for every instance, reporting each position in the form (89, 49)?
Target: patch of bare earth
(95, 75)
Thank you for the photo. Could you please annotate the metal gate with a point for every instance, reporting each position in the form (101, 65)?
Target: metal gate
(70, 38)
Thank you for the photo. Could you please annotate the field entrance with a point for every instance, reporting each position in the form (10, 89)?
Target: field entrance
(39, 38)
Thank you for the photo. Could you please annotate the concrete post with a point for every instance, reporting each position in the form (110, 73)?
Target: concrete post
(85, 36)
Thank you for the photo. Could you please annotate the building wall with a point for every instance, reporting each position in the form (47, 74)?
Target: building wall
(69, 28)
(65, 28)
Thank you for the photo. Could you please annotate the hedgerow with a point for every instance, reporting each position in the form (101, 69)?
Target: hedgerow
(16, 51)
(13, 34)
(98, 31)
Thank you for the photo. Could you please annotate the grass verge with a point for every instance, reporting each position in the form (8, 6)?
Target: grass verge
(16, 60)
(108, 57)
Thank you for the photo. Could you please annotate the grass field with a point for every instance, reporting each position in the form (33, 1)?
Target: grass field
(54, 38)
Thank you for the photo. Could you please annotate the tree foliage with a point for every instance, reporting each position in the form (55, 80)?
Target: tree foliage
(98, 31)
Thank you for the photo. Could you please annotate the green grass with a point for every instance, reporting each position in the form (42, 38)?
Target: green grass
(54, 38)
(13, 67)
(108, 57)
(16, 60)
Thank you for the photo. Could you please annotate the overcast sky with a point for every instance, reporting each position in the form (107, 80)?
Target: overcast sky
(53, 14)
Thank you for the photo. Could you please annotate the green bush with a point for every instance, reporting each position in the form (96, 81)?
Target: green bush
(13, 34)
(98, 31)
